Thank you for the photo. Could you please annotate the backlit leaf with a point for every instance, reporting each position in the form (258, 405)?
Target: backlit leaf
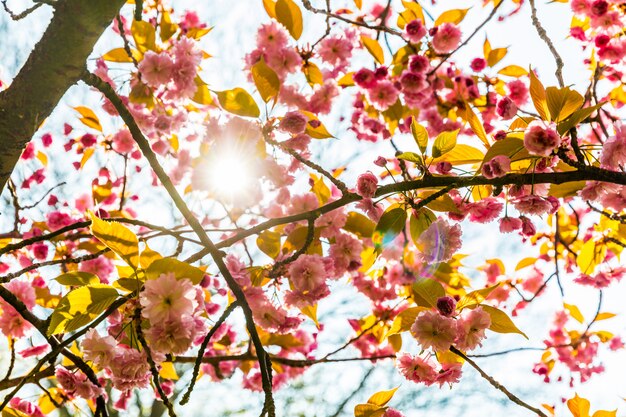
(89, 118)
(455, 16)
(374, 48)
(475, 297)
(180, 270)
(445, 142)
(578, 406)
(476, 124)
(574, 311)
(426, 291)
(238, 101)
(80, 306)
(562, 102)
(501, 322)
(359, 224)
(77, 278)
(513, 71)
(381, 398)
(538, 95)
(118, 238)
(496, 55)
(269, 243)
(266, 80)
(144, 35)
(391, 224)
(420, 221)
(120, 55)
(420, 134)
(288, 13)
(577, 117)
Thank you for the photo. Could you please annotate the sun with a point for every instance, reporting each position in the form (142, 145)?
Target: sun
(231, 175)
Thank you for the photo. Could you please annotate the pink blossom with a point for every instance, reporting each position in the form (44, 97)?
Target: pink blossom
(541, 140)
(416, 369)
(532, 204)
(335, 50)
(272, 37)
(382, 95)
(446, 305)
(498, 166)
(98, 349)
(366, 185)
(346, 253)
(101, 266)
(506, 108)
(415, 31)
(412, 82)
(34, 350)
(174, 335)
(450, 373)
(447, 38)
(485, 210)
(30, 409)
(392, 412)
(471, 328)
(439, 242)
(419, 64)
(156, 69)
(478, 64)
(364, 78)
(308, 276)
(123, 141)
(510, 224)
(166, 297)
(613, 155)
(518, 92)
(129, 369)
(12, 323)
(293, 122)
(56, 220)
(432, 330)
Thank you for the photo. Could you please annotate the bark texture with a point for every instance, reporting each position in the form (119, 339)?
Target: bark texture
(54, 65)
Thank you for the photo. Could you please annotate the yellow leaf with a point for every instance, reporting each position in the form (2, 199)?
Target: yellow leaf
(451, 16)
(461, 155)
(444, 143)
(486, 48)
(404, 320)
(359, 224)
(266, 80)
(476, 125)
(288, 13)
(578, 406)
(426, 291)
(381, 398)
(118, 238)
(501, 322)
(317, 132)
(574, 312)
(89, 118)
(43, 158)
(358, 4)
(197, 33)
(167, 28)
(368, 410)
(311, 312)
(589, 256)
(420, 134)
(168, 371)
(538, 95)
(238, 101)
(144, 35)
(180, 269)
(374, 48)
(604, 316)
(562, 102)
(513, 71)
(88, 153)
(346, 80)
(269, 243)
(605, 413)
(148, 256)
(45, 403)
(120, 55)
(475, 297)
(313, 74)
(496, 56)
(525, 262)
(412, 12)
(270, 8)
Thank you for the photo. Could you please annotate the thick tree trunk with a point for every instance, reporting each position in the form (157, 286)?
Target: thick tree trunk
(54, 65)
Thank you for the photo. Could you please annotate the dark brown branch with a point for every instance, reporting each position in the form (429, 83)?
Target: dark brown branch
(544, 36)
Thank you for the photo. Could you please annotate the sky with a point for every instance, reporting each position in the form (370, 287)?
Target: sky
(322, 388)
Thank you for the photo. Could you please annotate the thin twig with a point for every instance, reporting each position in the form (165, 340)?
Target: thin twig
(544, 36)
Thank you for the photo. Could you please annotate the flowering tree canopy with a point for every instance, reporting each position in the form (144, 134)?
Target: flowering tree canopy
(261, 222)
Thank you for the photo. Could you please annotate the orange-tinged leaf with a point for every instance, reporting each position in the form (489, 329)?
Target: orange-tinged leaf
(513, 71)
(270, 8)
(317, 132)
(358, 4)
(578, 406)
(381, 398)
(120, 55)
(538, 95)
(288, 13)
(496, 56)
(604, 316)
(525, 262)
(574, 311)
(486, 48)
(455, 16)
(374, 48)
(605, 413)
(89, 118)
(562, 102)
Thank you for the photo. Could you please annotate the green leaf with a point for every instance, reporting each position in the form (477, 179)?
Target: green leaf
(577, 117)
(562, 102)
(238, 101)
(77, 278)
(538, 95)
(359, 224)
(426, 291)
(420, 221)
(266, 80)
(444, 143)
(501, 322)
(180, 270)
(381, 398)
(288, 13)
(420, 134)
(374, 48)
(391, 223)
(80, 306)
(411, 157)
(118, 238)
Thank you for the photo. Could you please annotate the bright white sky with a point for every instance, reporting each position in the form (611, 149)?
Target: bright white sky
(235, 26)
